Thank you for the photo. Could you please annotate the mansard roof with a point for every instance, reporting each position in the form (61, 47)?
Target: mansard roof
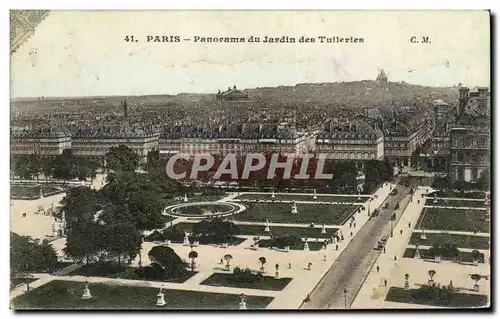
(229, 131)
(349, 130)
(38, 132)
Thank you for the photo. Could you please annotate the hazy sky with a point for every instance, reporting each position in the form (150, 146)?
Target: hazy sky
(82, 53)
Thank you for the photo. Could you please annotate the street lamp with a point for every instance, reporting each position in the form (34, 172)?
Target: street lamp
(345, 298)
(27, 279)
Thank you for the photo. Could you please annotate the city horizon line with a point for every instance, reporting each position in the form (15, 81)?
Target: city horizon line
(25, 98)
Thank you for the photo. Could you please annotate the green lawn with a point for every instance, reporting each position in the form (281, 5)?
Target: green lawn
(453, 219)
(454, 203)
(67, 295)
(16, 281)
(258, 230)
(280, 213)
(462, 241)
(424, 254)
(33, 191)
(295, 197)
(230, 280)
(125, 272)
(304, 232)
(458, 300)
(313, 246)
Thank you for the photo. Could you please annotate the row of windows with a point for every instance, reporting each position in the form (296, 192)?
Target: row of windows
(468, 142)
(465, 157)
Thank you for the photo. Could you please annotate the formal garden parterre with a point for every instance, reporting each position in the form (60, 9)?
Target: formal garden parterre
(67, 295)
(454, 220)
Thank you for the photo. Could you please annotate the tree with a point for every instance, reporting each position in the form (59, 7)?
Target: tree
(431, 274)
(192, 255)
(262, 261)
(123, 240)
(476, 278)
(376, 172)
(28, 254)
(228, 259)
(79, 202)
(436, 251)
(121, 158)
(64, 165)
(344, 178)
(85, 240)
(169, 262)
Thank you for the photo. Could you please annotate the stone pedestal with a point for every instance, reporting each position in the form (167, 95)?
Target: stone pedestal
(186, 241)
(294, 209)
(475, 262)
(243, 305)
(160, 302)
(323, 229)
(277, 275)
(273, 195)
(267, 229)
(196, 243)
(417, 254)
(168, 242)
(476, 288)
(437, 259)
(306, 246)
(407, 285)
(185, 198)
(423, 236)
(287, 248)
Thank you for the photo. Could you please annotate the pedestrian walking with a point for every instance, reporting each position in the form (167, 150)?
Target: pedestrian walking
(337, 247)
(351, 234)
(385, 282)
(289, 265)
(378, 268)
(395, 258)
(354, 225)
(384, 249)
(409, 225)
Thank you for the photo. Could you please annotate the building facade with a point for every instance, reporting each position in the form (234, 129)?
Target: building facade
(238, 139)
(470, 136)
(43, 141)
(96, 142)
(354, 141)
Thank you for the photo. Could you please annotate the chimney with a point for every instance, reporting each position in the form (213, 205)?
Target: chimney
(463, 99)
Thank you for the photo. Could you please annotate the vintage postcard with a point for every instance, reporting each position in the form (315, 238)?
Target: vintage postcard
(250, 160)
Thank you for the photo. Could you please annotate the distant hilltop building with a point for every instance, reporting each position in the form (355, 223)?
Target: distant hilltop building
(382, 77)
(231, 95)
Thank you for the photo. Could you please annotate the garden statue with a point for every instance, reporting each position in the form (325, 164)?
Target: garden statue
(86, 291)
(294, 208)
(186, 239)
(323, 229)
(306, 246)
(243, 303)
(273, 195)
(185, 198)
(315, 196)
(161, 298)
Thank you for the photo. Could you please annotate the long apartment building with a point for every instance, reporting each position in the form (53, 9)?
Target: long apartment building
(232, 138)
(45, 141)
